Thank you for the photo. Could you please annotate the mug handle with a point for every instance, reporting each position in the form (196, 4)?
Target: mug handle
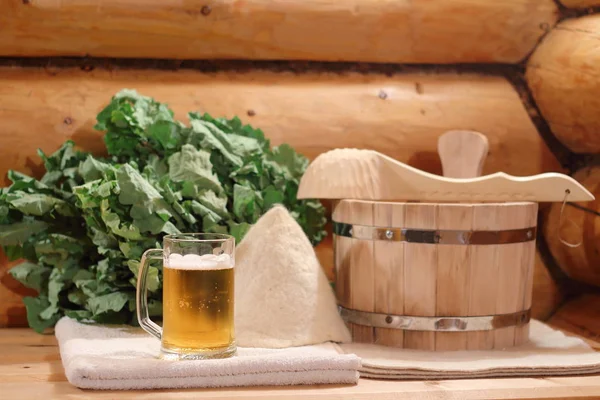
(141, 294)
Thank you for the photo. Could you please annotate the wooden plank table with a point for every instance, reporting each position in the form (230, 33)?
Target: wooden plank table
(30, 368)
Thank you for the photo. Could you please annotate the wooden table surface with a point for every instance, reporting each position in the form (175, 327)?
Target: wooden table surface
(30, 368)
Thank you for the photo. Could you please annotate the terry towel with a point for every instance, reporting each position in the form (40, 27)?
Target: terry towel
(548, 353)
(122, 357)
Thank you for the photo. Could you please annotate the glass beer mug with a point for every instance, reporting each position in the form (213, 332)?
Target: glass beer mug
(198, 287)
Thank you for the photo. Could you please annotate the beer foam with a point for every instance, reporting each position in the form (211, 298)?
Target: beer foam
(199, 262)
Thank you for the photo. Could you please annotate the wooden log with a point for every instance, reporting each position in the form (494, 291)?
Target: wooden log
(580, 316)
(547, 294)
(564, 77)
(312, 112)
(578, 225)
(421, 31)
(580, 3)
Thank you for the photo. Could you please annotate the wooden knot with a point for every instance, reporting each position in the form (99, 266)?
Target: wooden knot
(206, 10)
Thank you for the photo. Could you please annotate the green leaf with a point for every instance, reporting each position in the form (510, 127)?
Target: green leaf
(152, 280)
(77, 297)
(108, 302)
(217, 204)
(113, 222)
(38, 204)
(150, 211)
(166, 133)
(203, 211)
(56, 249)
(272, 196)
(193, 166)
(285, 159)
(50, 313)
(211, 226)
(31, 275)
(246, 203)
(238, 231)
(13, 252)
(35, 307)
(18, 233)
(79, 315)
(92, 169)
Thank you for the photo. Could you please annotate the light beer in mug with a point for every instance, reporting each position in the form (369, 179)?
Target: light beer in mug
(197, 303)
(198, 291)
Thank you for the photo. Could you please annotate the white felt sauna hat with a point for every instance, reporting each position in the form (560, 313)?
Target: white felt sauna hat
(283, 297)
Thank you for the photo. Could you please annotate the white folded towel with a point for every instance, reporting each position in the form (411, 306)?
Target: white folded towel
(122, 357)
(548, 353)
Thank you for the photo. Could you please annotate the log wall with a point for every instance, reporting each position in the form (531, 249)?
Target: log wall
(580, 3)
(400, 31)
(580, 316)
(580, 223)
(564, 76)
(399, 114)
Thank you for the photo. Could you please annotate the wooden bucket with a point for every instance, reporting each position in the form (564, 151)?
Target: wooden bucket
(435, 276)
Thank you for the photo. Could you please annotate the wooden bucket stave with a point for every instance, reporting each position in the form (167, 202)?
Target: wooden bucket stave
(400, 278)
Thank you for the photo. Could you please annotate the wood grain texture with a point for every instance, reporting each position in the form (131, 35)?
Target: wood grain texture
(577, 226)
(418, 31)
(462, 153)
(312, 112)
(438, 280)
(364, 174)
(355, 266)
(564, 77)
(362, 275)
(515, 267)
(31, 377)
(389, 272)
(342, 259)
(453, 274)
(580, 3)
(580, 316)
(420, 275)
(527, 265)
(547, 295)
(483, 284)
